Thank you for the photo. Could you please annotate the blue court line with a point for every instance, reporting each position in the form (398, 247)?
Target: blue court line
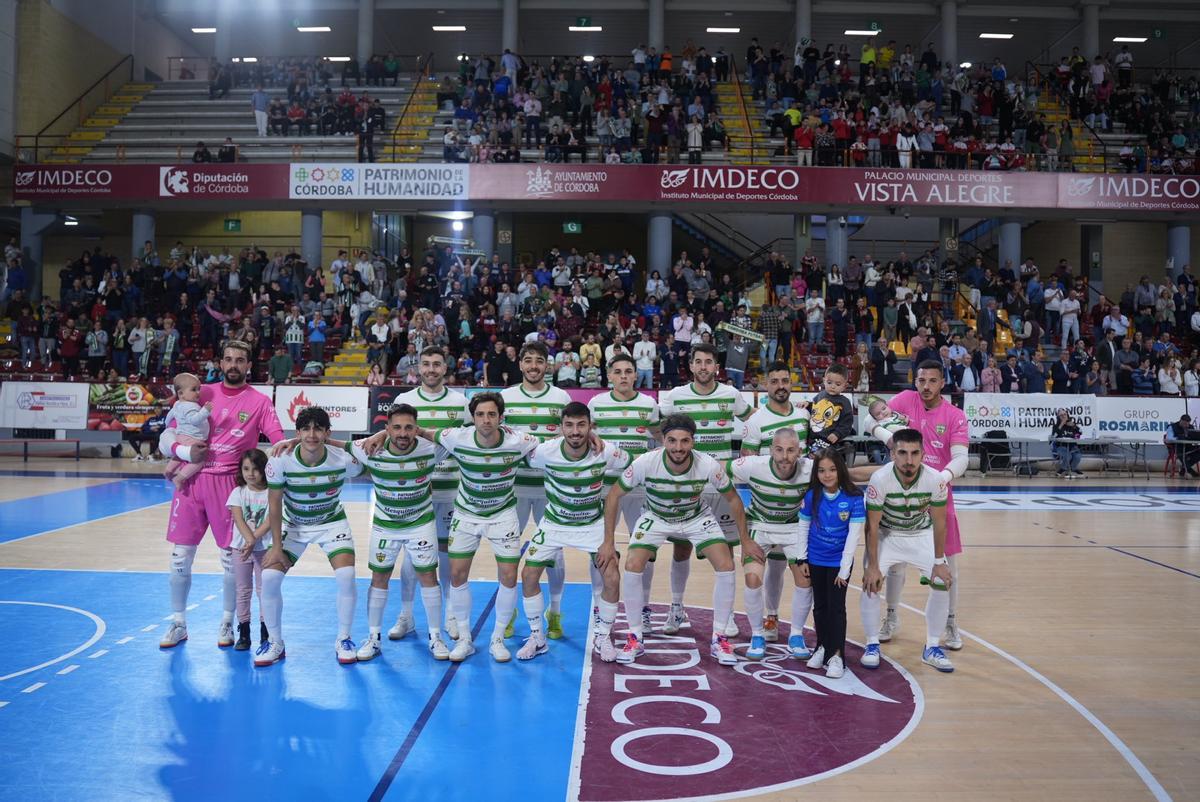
(1153, 562)
(36, 515)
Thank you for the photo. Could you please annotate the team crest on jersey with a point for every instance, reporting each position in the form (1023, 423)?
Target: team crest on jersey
(940, 428)
(844, 515)
(243, 417)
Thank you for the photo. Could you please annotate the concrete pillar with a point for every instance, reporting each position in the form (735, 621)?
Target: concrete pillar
(223, 39)
(33, 223)
(509, 29)
(366, 32)
(310, 237)
(837, 241)
(1010, 241)
(143, 229)
(801, 237)
(658, 244)
(803, 21)
(1179, 247)
(948, 238)
(949, 47)
(504, 237)
(1091, 30)
(656, 26)
(483, 231)
(1091, 255)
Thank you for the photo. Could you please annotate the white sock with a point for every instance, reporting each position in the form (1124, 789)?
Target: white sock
(723, 590)
(408, 586)
(953, 592)
(556, 578)
(679, 577)
(936, 611)
(894, 586)
(376, 602)
(801, 604)
(534, 607)
(270, 603)
(347, 597)
(228, 587)
(431, 598)
(647, 581)
(634, 601)
(773, 585)
(444, 581)
(754, 608)
(181, 579)
(606, 613)
(506, 604)
(460, 601)
(869, 609)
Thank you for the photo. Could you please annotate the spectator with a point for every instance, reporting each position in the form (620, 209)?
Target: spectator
(316, 338)
(1064, 435)
(280, 366)
(96, 343)
(227, 153)
(645, 355)
(201, 154)
(260, 104)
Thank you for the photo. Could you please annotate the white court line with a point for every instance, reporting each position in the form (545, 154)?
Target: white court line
(3, 704)
(101, 628)
(208, 598)
(150, 628)
(585, 691)
(96, 654)
(1123, 750)
(191, 607)
(88, 522)
(124, 640)
(35, 686)
(68, 669)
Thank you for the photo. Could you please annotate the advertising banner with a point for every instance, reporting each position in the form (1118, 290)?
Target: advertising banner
(382, 399)
(123, 407)
(379, 182)
(44, 405)
(1147, 193)
(151, 181)
(1027, 416)
(1141, 419)
(348, 407)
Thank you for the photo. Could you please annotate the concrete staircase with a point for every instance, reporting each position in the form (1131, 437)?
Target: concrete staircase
(349, 366)
(80, 143)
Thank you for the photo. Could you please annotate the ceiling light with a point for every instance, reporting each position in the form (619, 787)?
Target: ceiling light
(457, 225)
(966, 65)
(1014, 19)
(1137, 39)
(70, 221)
(723, 30)
(249, 60)
(589, 59)
(995, 36)
(852, 32)
(313, 28)
(204, 30)
(337, 58)
(584, 28)
(447, 28)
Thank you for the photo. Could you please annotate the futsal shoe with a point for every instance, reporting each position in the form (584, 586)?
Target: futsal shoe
(722, 650)
(676, 618)
(871, 656)
(370, 649)
(799, 648)
(934, 656)
(758, 648)
(951, 638)
(243, 639)
(404, 625)
(175, 635)
(346, 651)
(452, 627)
(554, 629)
(225, 635)
(731, 626)
(463, 648)
(602, 645)
(817, 661)
(532, 647)
(890, 627)
(835, 668)
(499, 651)
(632, 650)
(647, 623)
(269, 654)
(508, 630)
(437, 647)
(771, 628)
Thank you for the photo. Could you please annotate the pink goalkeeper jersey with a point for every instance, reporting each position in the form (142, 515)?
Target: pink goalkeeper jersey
(238, 417)
(941, 427)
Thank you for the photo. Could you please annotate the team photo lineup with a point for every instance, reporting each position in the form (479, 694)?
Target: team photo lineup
(448, 472)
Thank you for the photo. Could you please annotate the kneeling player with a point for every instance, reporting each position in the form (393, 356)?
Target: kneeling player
(402, 473)
(305, 507)
(676, 477)
(573, 477)
(906, 525)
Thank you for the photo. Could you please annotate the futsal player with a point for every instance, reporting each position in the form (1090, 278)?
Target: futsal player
(677, 479)
(573, 476)
(906, 525)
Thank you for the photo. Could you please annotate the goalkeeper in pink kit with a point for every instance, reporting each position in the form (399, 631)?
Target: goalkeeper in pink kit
(240, 416)
(943, 428)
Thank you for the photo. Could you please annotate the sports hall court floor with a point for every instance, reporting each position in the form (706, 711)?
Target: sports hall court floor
(1078, 680)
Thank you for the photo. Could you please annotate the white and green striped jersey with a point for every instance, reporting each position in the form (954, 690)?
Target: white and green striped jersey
(715, 414)
(675, 497)
(487, 473)
(626, 424)
(763, 424)
(441, 412)
(575, 487)
(403, 482)
(906, 507)
(884, 429)
(773, 499)
(537, 414)
(312, 494)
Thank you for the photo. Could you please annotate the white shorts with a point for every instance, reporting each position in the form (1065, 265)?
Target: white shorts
(720, 510)
(908, 549)
(649, 532)
(443, 514)
(419, 541)
(502, 532)
(333, 538)
(631, 506)
(550, 539)
(779, 541)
